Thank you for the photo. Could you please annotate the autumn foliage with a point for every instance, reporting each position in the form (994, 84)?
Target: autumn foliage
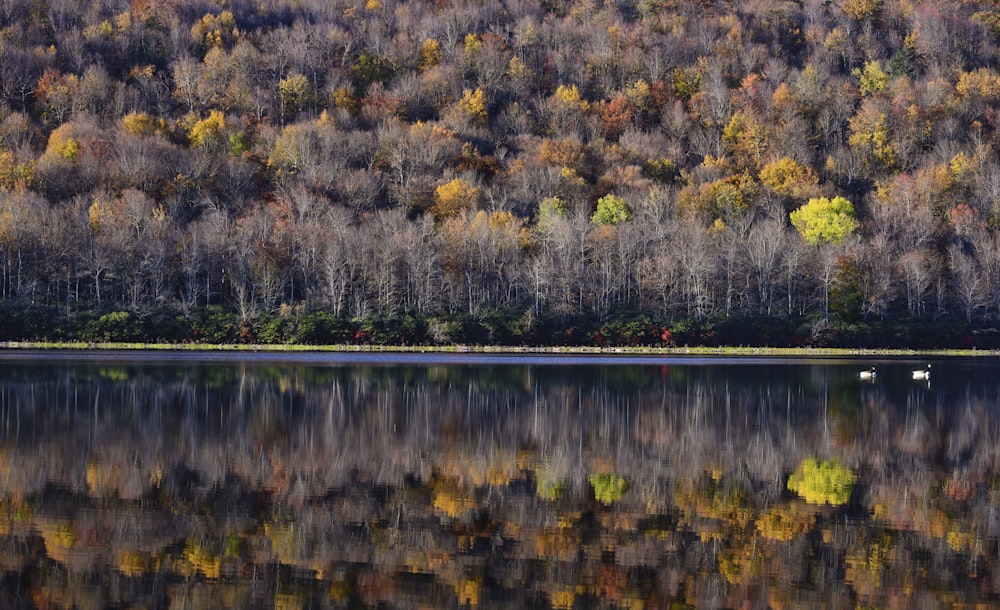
(380, 122)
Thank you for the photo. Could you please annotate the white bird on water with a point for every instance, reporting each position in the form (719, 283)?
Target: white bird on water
(868, 375)
(923, 374)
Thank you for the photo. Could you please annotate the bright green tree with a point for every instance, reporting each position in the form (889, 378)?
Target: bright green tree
(611, 210)
(823, 220)
(822, 482)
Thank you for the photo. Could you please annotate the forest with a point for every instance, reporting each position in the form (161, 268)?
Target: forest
(515, 172)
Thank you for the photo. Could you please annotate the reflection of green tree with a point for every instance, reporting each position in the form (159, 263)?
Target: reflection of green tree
(549, 486)
(822, 482)
(608, 487)
(114, 373)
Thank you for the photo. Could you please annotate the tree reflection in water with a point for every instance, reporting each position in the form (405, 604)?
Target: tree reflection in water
(503, 484)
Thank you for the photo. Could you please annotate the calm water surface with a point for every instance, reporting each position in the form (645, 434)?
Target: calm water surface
(183, 480)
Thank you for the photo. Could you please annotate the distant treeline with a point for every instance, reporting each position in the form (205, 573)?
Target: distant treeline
(633, 172)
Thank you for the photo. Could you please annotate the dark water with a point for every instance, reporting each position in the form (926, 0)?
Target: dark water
(175, 480)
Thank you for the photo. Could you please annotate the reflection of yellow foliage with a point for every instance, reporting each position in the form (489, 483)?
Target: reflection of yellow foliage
(468, 592)
(289, 601)
(716, 501)
(340, 590)
(58, 537)
(563, 600)
(561, 544)
(497, 476)
(566, 521)
(65, 536)
(100, 478)
(822, 482)
(939, 524)
(136, 563)
(741, 564)
(450, 498)
(202, 560)
(285, 544)
(496, 469)
(865, 563)
(960, 541)
(785, 522)
(608, 487)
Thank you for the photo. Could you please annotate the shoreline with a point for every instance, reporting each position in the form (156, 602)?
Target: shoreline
(23, 346)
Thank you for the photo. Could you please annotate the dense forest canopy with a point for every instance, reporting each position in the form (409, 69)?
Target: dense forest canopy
(493, 170)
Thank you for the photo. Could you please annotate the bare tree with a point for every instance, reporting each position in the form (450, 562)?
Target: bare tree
(969, 283)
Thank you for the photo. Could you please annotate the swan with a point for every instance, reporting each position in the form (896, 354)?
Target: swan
(868, 375)
(923, 374)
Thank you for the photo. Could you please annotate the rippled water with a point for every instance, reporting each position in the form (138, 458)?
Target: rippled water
(194, 480)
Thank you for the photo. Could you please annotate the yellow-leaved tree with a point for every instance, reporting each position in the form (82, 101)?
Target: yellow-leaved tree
(453, 197)
(871, 79)
(474, 105)
(789, 178)
(296, 94)
(207, 133)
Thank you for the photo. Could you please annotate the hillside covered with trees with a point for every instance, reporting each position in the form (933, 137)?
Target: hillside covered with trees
(518, 172)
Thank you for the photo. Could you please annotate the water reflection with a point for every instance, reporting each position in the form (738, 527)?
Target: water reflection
(548, 483)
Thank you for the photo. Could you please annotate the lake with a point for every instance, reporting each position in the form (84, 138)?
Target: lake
(326, 480)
